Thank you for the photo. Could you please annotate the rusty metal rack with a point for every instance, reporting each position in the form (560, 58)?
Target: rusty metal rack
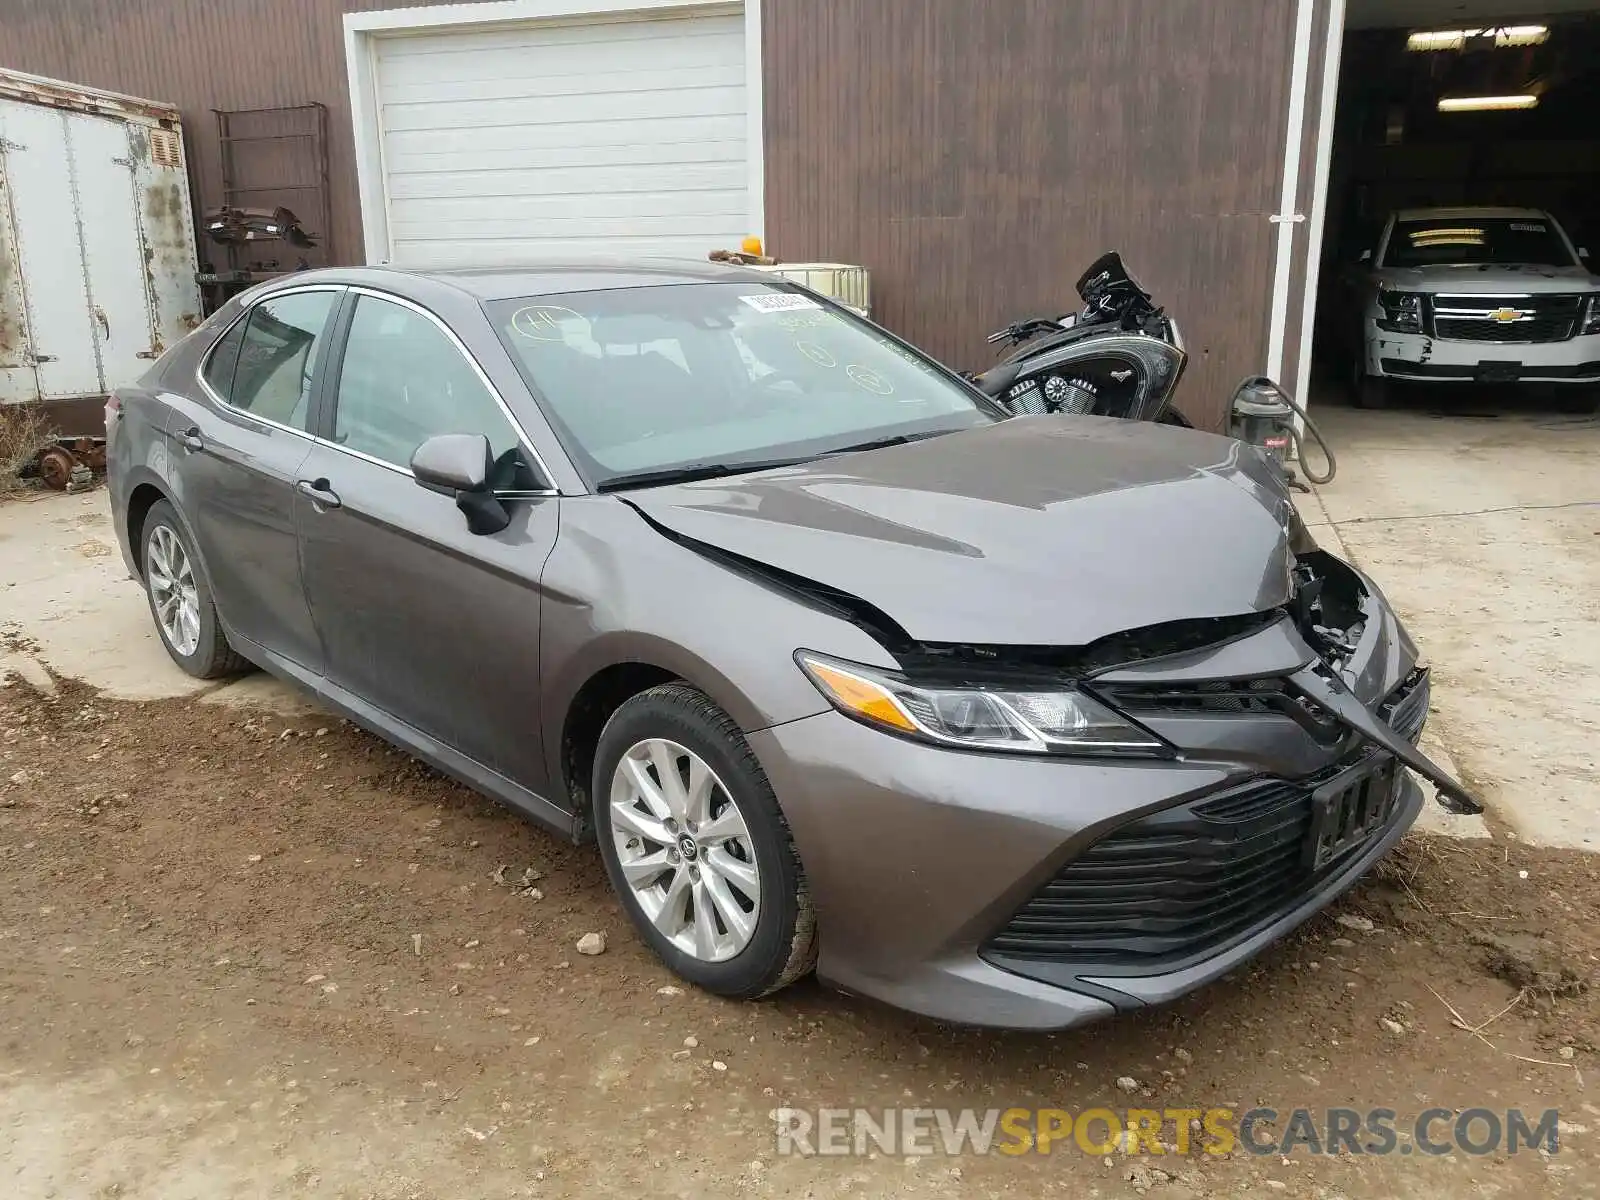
(270, 157)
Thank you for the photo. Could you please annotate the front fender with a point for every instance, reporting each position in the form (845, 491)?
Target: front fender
(615, 590)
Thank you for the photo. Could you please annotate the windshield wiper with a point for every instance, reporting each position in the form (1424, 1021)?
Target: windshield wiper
(689, 472)
(899, 439)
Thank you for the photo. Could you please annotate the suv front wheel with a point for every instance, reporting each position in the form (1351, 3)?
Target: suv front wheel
(1370, 391)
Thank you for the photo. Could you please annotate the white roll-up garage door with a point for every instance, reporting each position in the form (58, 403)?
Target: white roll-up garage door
(625, 135)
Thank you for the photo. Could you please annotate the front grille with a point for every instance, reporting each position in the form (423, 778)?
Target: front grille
(1533, 329)
(1492, 319)
(1406, 708)
(1218, 696)
(1223, 698)
(1179, 882)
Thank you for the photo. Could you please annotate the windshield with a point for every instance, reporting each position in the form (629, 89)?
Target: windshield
(650, 379)
(1505, 241)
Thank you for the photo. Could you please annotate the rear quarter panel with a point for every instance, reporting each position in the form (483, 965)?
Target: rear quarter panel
(139, 451)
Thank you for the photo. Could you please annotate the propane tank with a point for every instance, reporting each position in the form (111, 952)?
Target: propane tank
(1262, 415)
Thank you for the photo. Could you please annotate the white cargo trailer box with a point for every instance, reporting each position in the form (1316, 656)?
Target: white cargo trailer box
(97, 255)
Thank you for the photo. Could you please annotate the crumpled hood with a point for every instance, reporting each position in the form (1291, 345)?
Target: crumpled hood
(1489, 279)
(1040, 531)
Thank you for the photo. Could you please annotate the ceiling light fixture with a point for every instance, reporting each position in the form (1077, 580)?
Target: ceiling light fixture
(1457, 39)
(1440, 39)
(1485, 103)
(1521, 35)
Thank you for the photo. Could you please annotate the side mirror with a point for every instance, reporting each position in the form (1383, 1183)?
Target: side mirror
(1364, 256)
(458, 464)
(453, 462)
(1583, 253)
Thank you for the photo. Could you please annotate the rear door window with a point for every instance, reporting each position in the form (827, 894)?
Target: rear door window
(274, 358)
(224, 357)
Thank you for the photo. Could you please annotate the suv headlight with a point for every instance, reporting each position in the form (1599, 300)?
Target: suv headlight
(1591, 321)
(1402, 312)
(974, 716)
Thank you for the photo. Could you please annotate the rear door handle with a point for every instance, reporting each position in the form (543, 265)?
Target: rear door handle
(191, 439)
(319, 492)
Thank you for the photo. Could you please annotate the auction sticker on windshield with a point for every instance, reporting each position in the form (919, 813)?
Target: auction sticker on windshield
(771, 302)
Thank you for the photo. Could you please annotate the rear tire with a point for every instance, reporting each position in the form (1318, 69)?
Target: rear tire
(718, 891)
(180, 598)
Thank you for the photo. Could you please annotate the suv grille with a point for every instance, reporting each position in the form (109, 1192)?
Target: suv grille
(1537, 318)
(1178, 882)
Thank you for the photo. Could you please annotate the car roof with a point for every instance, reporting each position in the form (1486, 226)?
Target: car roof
(1454, 214)
(540, 278)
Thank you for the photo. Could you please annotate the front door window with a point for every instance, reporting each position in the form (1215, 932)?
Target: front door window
(403, 381)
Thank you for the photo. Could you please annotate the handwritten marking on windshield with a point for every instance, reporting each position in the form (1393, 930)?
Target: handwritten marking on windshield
(869, 380)
(542, 322)
(806, 320)
(817, 354)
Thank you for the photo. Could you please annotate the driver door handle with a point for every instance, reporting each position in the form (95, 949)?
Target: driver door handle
(319, 492)
(191, 439)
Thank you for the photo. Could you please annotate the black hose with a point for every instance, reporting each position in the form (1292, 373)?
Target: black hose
(1300, 449)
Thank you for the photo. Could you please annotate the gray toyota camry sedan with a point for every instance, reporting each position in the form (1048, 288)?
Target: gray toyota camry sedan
(1016, 722)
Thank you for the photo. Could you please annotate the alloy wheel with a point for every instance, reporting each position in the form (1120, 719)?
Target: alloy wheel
(172, 587)
(685, 850)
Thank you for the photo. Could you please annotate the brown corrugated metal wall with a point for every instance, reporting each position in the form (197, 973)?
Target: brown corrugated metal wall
(975, 155)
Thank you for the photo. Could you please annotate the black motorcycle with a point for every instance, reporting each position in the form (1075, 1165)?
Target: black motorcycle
(1122, 356)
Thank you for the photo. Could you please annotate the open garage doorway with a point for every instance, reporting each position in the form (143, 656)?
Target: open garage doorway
(1462, 183)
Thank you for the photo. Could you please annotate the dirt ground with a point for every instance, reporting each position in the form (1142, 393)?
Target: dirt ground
(251, 955)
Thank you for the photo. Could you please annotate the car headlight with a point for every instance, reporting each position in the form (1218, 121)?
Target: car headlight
(1402, 312)
(1591, 322)
(977, 717)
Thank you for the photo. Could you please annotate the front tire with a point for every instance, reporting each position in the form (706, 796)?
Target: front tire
(180, 598)
(697, 847)
(1371, 391)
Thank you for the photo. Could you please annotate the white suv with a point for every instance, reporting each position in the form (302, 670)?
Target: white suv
(1485, 295)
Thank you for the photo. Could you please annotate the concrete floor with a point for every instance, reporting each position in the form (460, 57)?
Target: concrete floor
(66, 601)
(1485, 533)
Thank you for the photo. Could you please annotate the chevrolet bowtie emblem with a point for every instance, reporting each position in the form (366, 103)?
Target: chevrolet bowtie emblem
(1506, 315)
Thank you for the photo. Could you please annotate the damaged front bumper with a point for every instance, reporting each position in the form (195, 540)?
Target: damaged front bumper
(1424, 358)
(1040, 893)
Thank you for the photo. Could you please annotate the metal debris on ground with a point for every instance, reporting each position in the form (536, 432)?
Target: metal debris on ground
(71, 466)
